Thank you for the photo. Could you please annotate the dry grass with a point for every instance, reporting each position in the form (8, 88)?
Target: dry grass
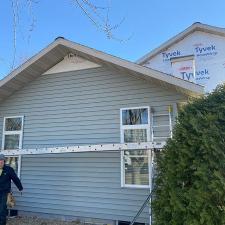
(37, 221)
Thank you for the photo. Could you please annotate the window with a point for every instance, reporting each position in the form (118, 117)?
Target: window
(136, 168)
(12, 133)
(14, 162)
(135, 127)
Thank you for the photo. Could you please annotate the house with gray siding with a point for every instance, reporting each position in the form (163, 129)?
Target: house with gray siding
(79, 126)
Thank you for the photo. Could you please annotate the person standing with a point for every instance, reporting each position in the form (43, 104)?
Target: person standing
(7, 174)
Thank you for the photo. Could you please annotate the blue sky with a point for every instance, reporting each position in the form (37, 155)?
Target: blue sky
(148, 22)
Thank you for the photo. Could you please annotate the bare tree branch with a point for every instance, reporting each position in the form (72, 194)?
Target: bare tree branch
(16, 5)
(85, 11)
(33, 19)
(15, 11)
(102, 22)
(98, 15)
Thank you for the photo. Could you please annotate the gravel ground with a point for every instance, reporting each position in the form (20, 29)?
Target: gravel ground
(37, 221)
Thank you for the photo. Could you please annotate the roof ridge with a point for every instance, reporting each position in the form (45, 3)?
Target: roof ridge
(55, 51)
(181, 35)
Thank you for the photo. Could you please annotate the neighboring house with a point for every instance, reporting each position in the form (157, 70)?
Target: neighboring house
(196, 54)
(79, 125)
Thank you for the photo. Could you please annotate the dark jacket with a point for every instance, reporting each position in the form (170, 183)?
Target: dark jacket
(7, 175)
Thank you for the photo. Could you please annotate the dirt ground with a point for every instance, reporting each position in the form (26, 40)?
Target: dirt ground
(37, 221)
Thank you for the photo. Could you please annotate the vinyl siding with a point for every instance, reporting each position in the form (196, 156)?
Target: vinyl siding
(79, 184)
(81, 107)
(76, 108)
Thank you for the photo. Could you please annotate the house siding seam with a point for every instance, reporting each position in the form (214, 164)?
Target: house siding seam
(77, 108)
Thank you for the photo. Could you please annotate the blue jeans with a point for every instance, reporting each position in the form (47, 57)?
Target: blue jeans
(3, 208)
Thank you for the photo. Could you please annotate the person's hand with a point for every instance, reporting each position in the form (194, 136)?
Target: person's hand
(21, 193)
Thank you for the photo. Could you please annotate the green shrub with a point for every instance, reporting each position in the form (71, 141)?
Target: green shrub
(190, 183)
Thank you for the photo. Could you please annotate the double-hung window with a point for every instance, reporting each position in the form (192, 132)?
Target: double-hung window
(12, 133)
(135, 127)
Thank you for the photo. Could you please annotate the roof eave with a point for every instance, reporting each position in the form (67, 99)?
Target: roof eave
(60, 47)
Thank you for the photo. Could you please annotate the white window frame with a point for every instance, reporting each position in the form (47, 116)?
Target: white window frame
(19, 163)
(20, 132)
(125, 127)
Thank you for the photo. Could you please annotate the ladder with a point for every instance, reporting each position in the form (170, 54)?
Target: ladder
(148, 200)
(154, 126)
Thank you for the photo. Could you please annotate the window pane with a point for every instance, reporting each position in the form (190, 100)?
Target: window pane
(135, 116)
(13, 162)
(136, 153)
(12, 124)
(137, 135)
(12, 141)
(136, 170)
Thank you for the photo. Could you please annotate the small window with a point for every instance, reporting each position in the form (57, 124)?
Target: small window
(12, 133)
(136, 168)
(13, 161)
(135, 127)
